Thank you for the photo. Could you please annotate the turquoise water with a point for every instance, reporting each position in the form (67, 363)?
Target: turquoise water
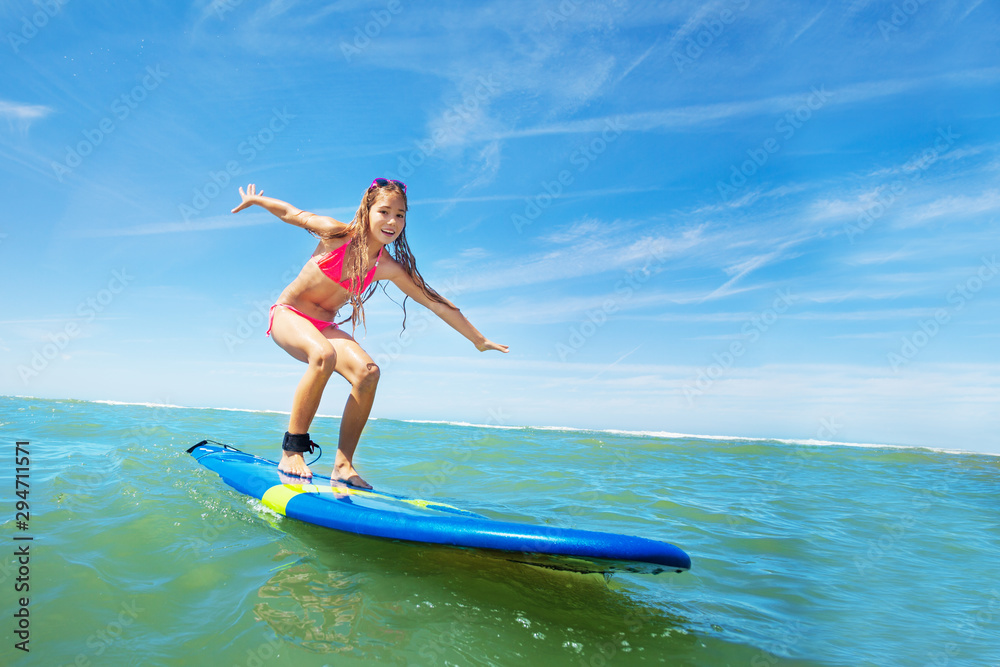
(802, 554)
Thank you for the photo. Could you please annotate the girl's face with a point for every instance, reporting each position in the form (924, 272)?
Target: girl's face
(387, 217)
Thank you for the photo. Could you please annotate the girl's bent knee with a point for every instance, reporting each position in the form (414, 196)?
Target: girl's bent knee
(368, 378)
(323, 361)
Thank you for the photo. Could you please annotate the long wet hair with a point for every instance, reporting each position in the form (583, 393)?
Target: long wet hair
(398, 249)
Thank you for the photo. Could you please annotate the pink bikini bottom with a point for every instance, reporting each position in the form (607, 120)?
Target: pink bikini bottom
(319, 324)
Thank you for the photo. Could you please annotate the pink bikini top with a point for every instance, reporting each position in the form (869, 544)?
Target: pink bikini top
(332, 266)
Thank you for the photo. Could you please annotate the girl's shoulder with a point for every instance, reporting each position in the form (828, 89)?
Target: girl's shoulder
(328, 244)
(388, 266)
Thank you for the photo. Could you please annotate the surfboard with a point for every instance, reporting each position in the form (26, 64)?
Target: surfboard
(339, 506)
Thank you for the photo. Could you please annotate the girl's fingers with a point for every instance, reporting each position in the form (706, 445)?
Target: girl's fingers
(250, 192)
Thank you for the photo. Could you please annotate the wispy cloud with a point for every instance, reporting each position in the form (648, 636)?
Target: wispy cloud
(693, 22)
(22, 112)
(706, 114)
(884, 257)
(807, 25)
(958, 207)
(928, 157)
(841, 209)
(745, 268)
(638, 61)
(20, 116)
(197, 225)
(584, 255)
(972, 7)
(566, 196)
(750, 198)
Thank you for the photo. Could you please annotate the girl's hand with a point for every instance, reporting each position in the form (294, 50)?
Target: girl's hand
(490, 345)
(249, 198)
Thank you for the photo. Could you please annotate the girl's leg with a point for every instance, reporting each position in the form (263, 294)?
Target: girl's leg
(304, 342)
(357, 367)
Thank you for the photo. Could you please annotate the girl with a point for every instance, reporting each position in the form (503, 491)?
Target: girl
(345, 266)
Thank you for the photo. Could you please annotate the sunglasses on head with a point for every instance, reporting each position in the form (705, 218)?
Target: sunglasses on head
(380, 182)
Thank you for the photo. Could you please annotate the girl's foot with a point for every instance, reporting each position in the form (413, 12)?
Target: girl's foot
(345, 472)
(293, 464)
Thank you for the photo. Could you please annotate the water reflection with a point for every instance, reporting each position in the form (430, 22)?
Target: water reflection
(376, 599)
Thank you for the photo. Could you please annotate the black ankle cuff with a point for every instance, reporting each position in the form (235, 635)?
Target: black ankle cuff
(298, 442)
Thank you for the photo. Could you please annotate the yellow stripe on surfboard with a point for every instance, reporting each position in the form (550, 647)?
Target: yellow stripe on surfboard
(277, 497)
(412, 501)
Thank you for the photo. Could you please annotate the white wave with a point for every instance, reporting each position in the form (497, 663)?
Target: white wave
(146, 405)
(668, 435)
(199, 407)
(468, 424)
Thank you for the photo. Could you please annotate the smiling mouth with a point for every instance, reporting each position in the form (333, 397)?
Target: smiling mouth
(388, 232)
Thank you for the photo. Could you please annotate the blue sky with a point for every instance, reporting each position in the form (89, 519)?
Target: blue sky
(767, 219)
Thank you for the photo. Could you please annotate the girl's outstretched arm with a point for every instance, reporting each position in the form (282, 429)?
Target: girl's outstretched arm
(446, 311)
(318, 224)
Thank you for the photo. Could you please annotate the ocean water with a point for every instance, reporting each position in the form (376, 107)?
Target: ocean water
(802, 554)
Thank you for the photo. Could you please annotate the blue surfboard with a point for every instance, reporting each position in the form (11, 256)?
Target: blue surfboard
(339, 506)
